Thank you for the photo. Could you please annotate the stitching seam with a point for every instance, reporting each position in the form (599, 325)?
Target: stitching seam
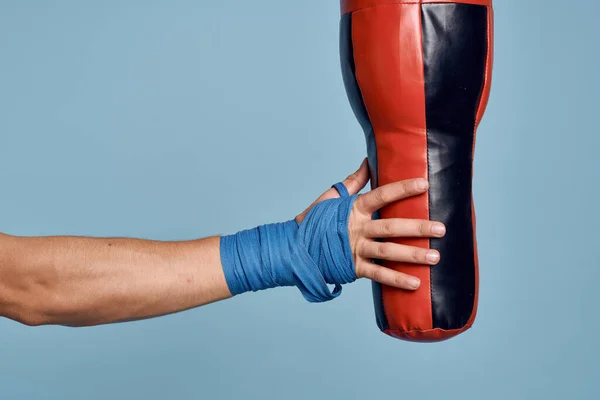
(400, 2)
(427, 146)
(398, 330)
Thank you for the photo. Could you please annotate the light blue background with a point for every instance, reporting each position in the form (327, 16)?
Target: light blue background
(179, 119)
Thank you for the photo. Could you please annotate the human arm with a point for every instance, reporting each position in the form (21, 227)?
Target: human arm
(78, 281)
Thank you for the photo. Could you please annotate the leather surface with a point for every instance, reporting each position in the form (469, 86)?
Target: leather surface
(455, 52)
(389, 70)
(354, 94)
(348, 6)
(392, 64)
(360, 111)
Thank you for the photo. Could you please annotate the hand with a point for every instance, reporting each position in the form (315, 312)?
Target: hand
(363, 230)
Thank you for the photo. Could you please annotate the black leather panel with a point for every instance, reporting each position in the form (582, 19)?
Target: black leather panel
(454, 50)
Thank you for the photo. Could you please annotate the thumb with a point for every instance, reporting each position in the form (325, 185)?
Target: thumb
(354, 183)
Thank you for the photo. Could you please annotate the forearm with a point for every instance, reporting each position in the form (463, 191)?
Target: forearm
(89, 281)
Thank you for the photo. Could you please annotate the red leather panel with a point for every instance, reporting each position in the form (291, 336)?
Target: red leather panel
(389, 69)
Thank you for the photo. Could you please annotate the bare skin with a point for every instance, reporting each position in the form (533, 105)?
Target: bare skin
(84, 281)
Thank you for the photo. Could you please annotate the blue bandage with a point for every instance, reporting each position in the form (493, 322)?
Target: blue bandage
(309, 256)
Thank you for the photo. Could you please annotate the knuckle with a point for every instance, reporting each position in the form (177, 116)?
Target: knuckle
(360, 272)
(423, 228)
(358, 245)
(400, 280)
(381, 196)
(415, 254)
(387, 228)
(382, 251)
(376, 275)
(359, 204)
(406, 187)
(357, 210)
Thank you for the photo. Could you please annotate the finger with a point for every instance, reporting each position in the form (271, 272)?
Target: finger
(387, 276)
(399, 227)
(358, 180)
(354, 183)
(390, 193)
(399, 253)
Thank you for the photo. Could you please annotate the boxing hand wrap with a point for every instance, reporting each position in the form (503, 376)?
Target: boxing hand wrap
(418, 75)
(309, 255)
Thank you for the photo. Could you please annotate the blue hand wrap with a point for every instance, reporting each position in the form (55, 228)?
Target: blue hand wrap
(309, 256)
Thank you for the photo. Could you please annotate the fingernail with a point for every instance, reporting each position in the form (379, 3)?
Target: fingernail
(422, 184)
(414, 283)
(433, 256)
(438, 229)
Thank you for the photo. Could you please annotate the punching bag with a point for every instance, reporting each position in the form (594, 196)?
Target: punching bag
(418, 74)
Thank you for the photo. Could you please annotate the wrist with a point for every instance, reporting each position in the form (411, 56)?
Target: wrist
(259, 258)
(309, 256)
